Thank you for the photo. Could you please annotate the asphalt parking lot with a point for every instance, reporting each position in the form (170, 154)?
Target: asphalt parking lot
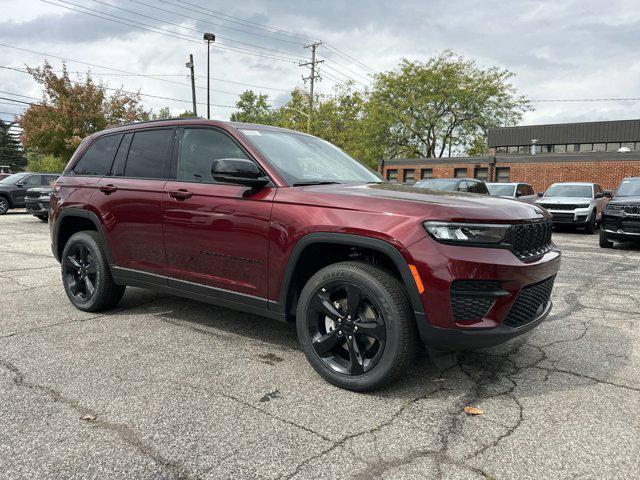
(169, 388)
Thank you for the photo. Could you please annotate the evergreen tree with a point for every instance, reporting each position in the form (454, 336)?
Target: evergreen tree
(11, 152)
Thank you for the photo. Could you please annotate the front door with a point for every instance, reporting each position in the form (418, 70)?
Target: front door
(215, 234)
(22, 186)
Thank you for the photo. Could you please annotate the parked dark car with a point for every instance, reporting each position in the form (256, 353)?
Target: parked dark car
(577, 204)
(516, 190)
(621, 216)
(469, 185)
(283, 224)
(37, 202)
(13, 189)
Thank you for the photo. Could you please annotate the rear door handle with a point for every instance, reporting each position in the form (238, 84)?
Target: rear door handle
(108, 189)
(180, 194)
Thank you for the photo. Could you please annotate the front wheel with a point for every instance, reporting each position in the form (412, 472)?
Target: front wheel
(592, 225)
(355, 325)
(86, 274)
(604, 241)
(4, 205)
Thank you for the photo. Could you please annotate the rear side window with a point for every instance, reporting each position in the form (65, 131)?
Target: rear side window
(149, 154)
(98, 157)
(199, 148)
(478, 187)
(49, 179)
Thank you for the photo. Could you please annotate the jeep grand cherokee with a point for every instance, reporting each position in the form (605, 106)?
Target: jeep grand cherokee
(286, 225)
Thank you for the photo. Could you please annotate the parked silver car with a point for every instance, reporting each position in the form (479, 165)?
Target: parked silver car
(575, 203)
(516, 190)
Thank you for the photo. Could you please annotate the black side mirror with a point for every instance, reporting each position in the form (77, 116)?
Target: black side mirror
(238, 170)
(599, 195)
(607, 193)
(21, 185)
(540, 194)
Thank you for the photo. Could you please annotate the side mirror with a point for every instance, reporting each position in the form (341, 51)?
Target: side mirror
(21, 185)
(518, 194)
(540, 194)
(607, 193)
(238, 170)
(599, 195)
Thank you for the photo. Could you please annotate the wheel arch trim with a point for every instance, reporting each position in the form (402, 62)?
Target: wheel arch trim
(376, 244)
(80, 213)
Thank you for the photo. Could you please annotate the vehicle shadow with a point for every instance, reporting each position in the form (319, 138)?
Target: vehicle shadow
(485, 372)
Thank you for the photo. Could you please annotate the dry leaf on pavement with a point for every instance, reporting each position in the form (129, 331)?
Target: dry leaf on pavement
(473, 411)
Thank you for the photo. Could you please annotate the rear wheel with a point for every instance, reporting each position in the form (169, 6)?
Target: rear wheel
(43, 218)
(4, 205)
(604, 241)
(355, 325)
(86, 274)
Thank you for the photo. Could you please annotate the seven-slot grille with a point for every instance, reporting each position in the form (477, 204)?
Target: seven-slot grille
(631, 209)
(532, 239)
(530, 303)
(568, 206)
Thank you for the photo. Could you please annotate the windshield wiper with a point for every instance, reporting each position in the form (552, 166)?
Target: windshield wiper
(314, 182)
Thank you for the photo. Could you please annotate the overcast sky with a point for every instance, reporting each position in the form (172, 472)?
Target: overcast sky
(557, 49)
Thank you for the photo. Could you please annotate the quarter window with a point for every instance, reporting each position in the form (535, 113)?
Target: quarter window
(199, 147)
(149, 154)
(98, 157)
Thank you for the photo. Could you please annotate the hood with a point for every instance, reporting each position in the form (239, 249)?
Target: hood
(634, 200)
(563, 200)
(397, 199)
(40, 190)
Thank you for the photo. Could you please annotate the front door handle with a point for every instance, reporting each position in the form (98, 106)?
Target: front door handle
(181, 194)
(108, 189)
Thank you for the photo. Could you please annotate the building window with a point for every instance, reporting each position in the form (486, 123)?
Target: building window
(409, 175)
(501, 150)
(460, 172)
(481, 173)
(392, 175)
(426, 173)
(573, 148)
(512, 149)
(560, 148)
(546, 148)
(502, 174)
(599, 147)
(585, 147)
(631, 145)
(613, 147)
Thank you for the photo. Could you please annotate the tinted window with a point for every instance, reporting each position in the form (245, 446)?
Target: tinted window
(477, 187)
(463, 187)
(32, 181)
(198, 148)
(149, 154)
(98, 157)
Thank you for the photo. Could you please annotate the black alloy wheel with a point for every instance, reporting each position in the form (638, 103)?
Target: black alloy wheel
(346, 328)
(80, 272)
(4, 205)
(356, 326)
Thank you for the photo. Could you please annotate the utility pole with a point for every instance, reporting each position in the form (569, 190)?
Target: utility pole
(208, 37)
(189, 65)
(312, 64)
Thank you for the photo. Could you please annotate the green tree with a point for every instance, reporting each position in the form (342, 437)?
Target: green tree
(71, 110)
(424, 109)
(45, 163)
(253, 108)
(11, 152)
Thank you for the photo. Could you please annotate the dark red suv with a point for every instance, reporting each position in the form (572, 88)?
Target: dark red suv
(285, 225)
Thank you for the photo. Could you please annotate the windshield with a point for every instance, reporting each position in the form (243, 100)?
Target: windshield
(11, 179)
(438, 184)
(303, 159)
(628, 188)
(501, 190)
(560, 190)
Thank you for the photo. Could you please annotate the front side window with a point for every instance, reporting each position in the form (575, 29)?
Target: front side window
(98, 157)
(199, 147)
(32, 181)
(478, 187)
(49, 179)
(303, 159)
(149, 154)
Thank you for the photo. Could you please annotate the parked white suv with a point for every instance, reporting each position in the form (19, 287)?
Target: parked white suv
(575, 203)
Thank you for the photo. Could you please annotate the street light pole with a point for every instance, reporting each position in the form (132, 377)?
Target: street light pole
(208, 37)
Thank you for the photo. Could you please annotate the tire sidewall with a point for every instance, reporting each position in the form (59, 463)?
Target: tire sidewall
(89, 241)
(382, 300)
(4, 205)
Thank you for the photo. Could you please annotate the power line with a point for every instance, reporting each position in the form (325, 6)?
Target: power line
(632, 99)
(348, 57)
(162, 31)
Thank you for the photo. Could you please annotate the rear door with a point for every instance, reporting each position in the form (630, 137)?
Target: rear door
(20, 190)
(130, 200)
(215, 234)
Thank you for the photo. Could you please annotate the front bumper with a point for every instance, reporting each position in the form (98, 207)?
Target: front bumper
(37, 206)
(579, 216)
(442, 266)
(621, 227)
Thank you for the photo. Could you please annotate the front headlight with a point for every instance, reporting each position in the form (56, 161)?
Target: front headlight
(613, 207)
(467, 232)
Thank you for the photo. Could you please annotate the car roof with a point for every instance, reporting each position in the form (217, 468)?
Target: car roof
(507, 183)
(575, 183)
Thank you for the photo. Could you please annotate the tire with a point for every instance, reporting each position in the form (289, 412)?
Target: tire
(368, 349)
(604, 241)
(85, 264)
(43, 218)
(4, 205)
(591, 225)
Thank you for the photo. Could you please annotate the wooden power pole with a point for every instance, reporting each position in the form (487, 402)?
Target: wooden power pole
(312, 78)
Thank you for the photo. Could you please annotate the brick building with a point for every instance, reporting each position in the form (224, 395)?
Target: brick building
(602, 152)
